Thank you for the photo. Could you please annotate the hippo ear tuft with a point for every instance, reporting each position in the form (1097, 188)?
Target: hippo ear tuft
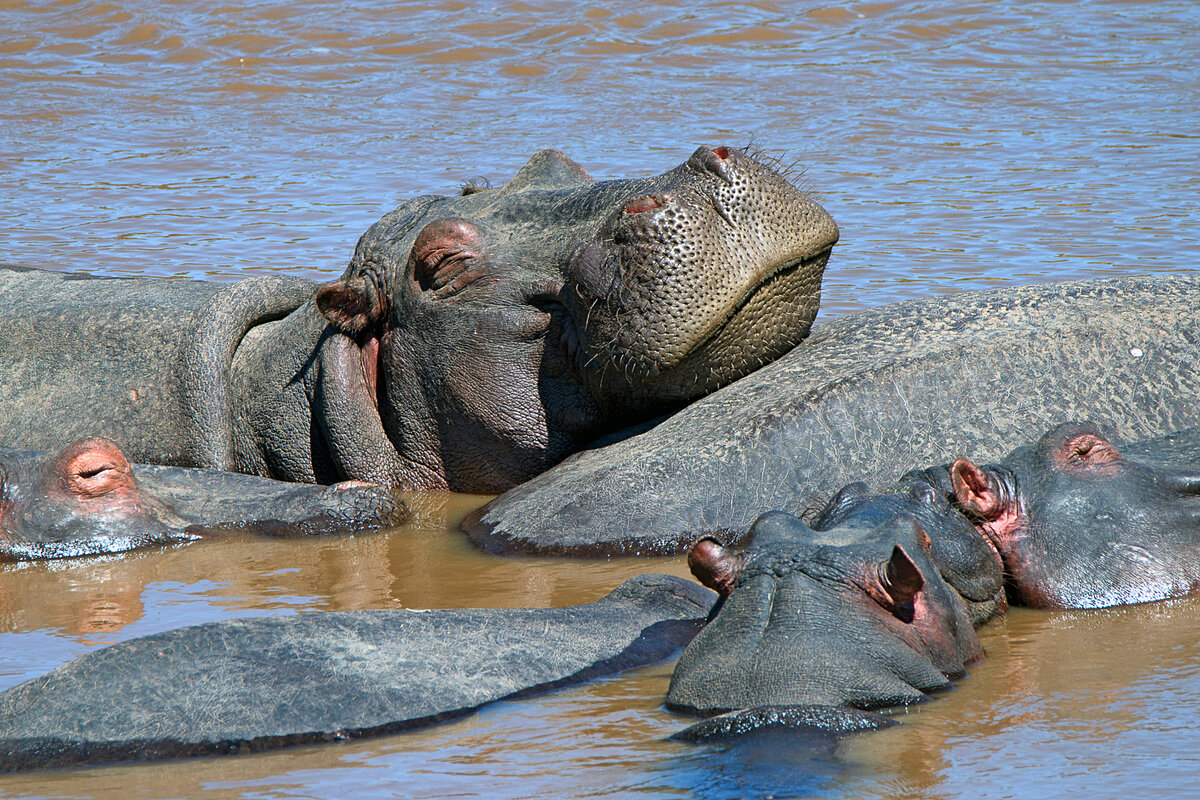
(902, 580)
(352, 305)
(715, 565)
(975, 490)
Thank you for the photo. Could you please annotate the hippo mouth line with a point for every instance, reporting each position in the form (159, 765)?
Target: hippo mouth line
(765, 279)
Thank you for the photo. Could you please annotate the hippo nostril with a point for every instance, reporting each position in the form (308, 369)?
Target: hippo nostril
(712, 161)
(649, 202)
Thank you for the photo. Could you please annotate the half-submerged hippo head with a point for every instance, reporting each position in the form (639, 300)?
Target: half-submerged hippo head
(497, 332)
(84, 501)
(89, 500)
(1078, 525)
(856, 616)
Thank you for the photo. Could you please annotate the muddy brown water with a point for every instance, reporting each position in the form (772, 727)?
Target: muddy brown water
(958, 146)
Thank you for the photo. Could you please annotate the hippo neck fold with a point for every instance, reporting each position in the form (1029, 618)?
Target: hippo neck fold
(303, 409)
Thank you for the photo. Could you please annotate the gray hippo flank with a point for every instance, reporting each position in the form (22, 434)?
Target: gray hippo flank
(89, 499)
(472, 342)
(248, 685)
(868, 397)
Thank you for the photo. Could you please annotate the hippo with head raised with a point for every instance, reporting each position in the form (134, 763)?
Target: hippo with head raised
(89, 499)
(472, 343)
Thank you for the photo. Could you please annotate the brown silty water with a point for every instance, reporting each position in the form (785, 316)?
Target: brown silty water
(958, 148)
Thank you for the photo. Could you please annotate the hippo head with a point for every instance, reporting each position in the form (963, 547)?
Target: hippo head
(1078, 525)
(853, 616)
(83, 501)
(496, 332)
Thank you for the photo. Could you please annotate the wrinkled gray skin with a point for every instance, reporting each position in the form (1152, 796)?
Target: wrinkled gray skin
(472, 342)
(869, 396)
(866, 612)
(89, 499)
(247, 685)
(1080, 523)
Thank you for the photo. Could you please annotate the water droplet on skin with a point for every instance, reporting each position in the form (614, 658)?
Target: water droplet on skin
(1136, 352)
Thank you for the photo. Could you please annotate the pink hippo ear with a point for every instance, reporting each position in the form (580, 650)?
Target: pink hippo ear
(352, 305)
(976, 490)
(93, 468)
(715, 565)
(902, 581)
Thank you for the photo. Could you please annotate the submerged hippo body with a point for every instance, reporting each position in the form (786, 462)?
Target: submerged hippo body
(867, 397)
(472, 342)
(89, 499)
(254, 684)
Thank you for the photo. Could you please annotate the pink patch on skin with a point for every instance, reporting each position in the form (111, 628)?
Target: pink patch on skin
(370, 368)
(642, 204)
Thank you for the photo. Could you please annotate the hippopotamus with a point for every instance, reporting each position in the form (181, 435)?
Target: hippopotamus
(472, 342)
(266, 682)
(817, 624)
(89, 499)
(867, 397)
(864, 610)
(1080, 524)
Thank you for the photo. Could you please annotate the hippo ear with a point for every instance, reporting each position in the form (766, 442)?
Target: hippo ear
(93, 468)
(976, 490)
(715, 565)
(353, 304)
(548, 169)
(902, 581)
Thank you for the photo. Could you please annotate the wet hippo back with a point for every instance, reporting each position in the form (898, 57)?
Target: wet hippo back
(140, 362)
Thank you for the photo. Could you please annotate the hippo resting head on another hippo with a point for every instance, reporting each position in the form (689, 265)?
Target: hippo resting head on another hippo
(502, 330)
(88, 500)
(1079, 525)
(473, 341)
(860, 614)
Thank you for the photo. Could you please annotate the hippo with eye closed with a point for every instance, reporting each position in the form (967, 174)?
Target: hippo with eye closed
(472, 342)
(819, 627)
(89, 499)
(1080, 523)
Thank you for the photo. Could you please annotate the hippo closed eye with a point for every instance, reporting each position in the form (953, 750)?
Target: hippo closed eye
(89, 499)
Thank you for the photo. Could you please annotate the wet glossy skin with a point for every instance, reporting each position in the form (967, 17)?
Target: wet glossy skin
(1079, 525)
(856, 615)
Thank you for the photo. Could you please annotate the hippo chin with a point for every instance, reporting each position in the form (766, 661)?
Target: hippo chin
(472, 342)
(89, 499)
(1080, 525)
